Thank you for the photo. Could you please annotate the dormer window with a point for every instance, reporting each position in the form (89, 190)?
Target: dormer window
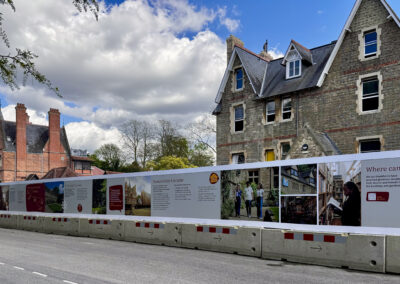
(296, 57)
(238, 79)
(293, 69)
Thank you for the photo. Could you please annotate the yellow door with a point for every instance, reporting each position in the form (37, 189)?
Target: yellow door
(269, 155)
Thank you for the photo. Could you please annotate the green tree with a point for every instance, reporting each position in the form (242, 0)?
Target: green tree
(200, 155)
(169, 163)
(109, 157)
(23, 60)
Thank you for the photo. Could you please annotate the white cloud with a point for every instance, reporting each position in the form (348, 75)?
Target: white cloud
(131, 64)
(87, 135)
(231, 24)
(276, 53)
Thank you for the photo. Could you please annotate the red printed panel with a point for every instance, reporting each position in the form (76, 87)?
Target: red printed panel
(35, 197)
(378, 196)
(116, 201)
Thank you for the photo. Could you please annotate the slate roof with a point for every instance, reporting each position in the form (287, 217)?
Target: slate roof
(275, 79)
(305, 53)
(36, 137)
(254, 66)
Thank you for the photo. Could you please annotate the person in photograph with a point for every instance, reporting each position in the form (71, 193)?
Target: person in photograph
(351, 215)
(238, 200)
(260, 196)
(249, 198)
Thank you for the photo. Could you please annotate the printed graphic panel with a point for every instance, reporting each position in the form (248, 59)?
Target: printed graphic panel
(250, 195)
(299, 209)
(4, 197)
(380, 193)
(138, 196)
(339, 197)
(35, 197)
(54, 196)
(99, 196)
(115, 196)
(78, 196)
(17, 197)
(194, 195)
(299, 179)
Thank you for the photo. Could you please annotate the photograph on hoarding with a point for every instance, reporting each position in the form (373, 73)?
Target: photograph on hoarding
(99, 196)
(299, 179)
(299, 209)
(339, 193)
(250, 194)
(4, 197)
(54, 196)
(138, 196)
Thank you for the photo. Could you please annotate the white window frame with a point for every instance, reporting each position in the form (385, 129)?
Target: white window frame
(360, 92)
(235, 161)
(369, 138)
(370, 43)
(288, 67)
(235, 78)
(361, 37)
(237, 120)
(371, 95)
(291, 107)
(267, 113)
(280, 144)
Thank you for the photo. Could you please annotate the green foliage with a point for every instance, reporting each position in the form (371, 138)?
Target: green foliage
(200, 155)
(169, 163)
(227, 209)
(108, 157)
(55, 208)
(134, 167)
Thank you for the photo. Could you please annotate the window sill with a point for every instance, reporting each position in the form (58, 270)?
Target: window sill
(293, 77)
(369, 112)
(286, 120)
(370, 57)
(238, 132)
(238, 90)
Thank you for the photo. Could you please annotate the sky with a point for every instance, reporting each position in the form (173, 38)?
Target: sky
(148, 60)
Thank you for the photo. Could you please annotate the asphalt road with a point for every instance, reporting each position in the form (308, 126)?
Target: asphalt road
(27, 257)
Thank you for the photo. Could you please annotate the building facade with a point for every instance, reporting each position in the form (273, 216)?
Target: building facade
(339, 98)
(28, 149)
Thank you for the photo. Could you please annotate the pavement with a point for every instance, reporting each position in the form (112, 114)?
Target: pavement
(27, 257)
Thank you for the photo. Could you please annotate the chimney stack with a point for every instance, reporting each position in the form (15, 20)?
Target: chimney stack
(21, 120)
(231, 41)
(54, 138)
(264, 53)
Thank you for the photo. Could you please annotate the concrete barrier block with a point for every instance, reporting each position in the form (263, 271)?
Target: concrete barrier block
(159, 233)
(8, 221)
(393, 254)
(30, 223)
(101, 228)
(361, 252)
(240, 240)
(61, 226)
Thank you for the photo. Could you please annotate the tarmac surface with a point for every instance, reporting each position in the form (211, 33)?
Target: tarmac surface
(27, 257)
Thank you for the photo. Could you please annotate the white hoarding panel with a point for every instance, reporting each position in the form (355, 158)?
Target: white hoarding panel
(116, 196)
(17, 197)
(380, 193)
(194, 195)
(78, 196)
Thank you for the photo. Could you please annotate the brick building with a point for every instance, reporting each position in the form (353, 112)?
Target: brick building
(339, 98)
(29, 151)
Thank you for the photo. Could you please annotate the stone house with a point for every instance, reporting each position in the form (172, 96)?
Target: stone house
(30, 151)
(339, 98)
